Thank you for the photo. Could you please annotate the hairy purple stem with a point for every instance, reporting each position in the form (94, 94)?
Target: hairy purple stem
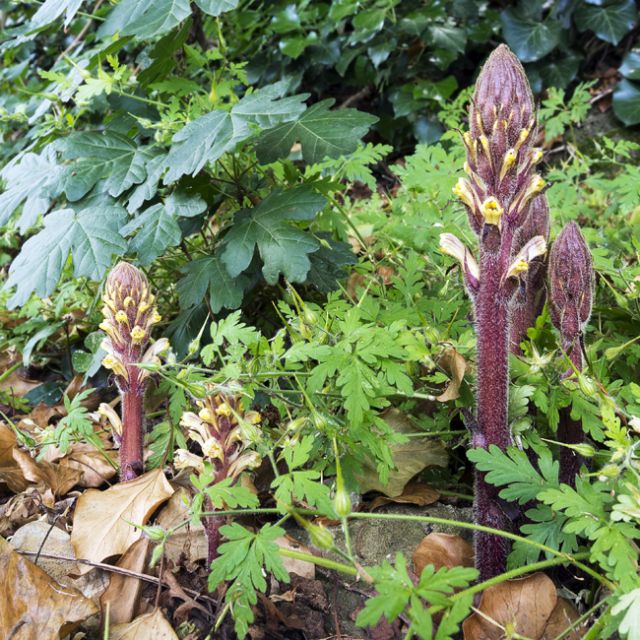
(131, 457)
(492, 400)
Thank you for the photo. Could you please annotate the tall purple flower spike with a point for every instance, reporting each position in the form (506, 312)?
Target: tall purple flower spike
(570, 301)
(129, 315)
(502, 195)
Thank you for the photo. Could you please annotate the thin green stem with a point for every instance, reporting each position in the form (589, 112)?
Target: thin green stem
(5, 374)
(475, 527)
(321, 562)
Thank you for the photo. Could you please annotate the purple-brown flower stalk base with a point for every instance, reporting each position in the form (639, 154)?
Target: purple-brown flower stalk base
(129, 314)
(218, 429)
(570, 301)
(506, 210)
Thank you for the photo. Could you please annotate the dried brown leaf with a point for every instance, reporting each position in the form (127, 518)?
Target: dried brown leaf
(101, 523)
(10, 472)
(409, 458)
(33, 605)
(562, 617)
(523, 605)
(188, 544)
(123, 592)
(299, 567)
(93, 465)
(150, 626)
(442, 550)
(454, 364)
(414, 493)
(46, 475)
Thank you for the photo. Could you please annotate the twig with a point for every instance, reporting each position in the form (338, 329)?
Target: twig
(108, 567)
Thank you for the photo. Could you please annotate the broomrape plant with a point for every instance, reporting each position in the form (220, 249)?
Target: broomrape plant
(129, 315)
(509, 213)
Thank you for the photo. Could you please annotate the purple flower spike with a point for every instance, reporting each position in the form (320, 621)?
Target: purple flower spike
(570, 300)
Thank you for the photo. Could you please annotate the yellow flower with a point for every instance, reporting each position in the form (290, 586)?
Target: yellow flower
(492, 211)
(138, 334)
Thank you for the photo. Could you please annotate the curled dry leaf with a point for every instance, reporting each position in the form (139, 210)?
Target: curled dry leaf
(523, 606)
(33, 605)
(95, 467)
(10, 472)
(454, 364)
(409, 458)
(104, 521)
(188, 544)
(414, 493)
(46, 475)
(442, 550)
(562, 617)
(123, 593)
(150, 626)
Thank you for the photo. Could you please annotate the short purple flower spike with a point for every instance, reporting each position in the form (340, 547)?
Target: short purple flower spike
(570, 301)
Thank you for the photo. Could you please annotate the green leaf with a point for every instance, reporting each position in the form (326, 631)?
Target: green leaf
(51, 10)
(210, 274)
(182, 204)
(513, 469)
(201, 141)
(320, 132)
(626, 102)
(629, 604)
(266, 107)
(157, 231)
(447, 37)
(610, 22)
(210, 136)
(630, 67)
(529, 39)
(143, 19)
(89, 234)
(216, 7)
(108, 155)
(283, 248)
(33, 180)
(226, 494)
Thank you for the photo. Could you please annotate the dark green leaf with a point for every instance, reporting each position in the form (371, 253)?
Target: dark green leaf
(34, 180)
(320, 132)
(209, 274)
(630, 67)
(626, 102)
(610, 22)
(216, 7)
(283, 247)
(529, 39)
(144, 19)
(157, 231)
(89, 234)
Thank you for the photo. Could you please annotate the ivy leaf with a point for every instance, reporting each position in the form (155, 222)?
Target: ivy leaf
(216, 7)
(320, 132)
(630, 67)
(109, 155)
(89, 234)
(144, 19)
(34, 180)
(610, 22)
(626, 102)
(209, 274)
(157, 231)
(529, 39)
(283, 248)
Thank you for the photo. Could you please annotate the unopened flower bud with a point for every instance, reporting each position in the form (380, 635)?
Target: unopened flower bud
(320, 537)
(342, 503)
(570, 288)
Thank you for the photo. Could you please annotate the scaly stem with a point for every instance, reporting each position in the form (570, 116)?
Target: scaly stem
(131, 458)
(493, 428)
